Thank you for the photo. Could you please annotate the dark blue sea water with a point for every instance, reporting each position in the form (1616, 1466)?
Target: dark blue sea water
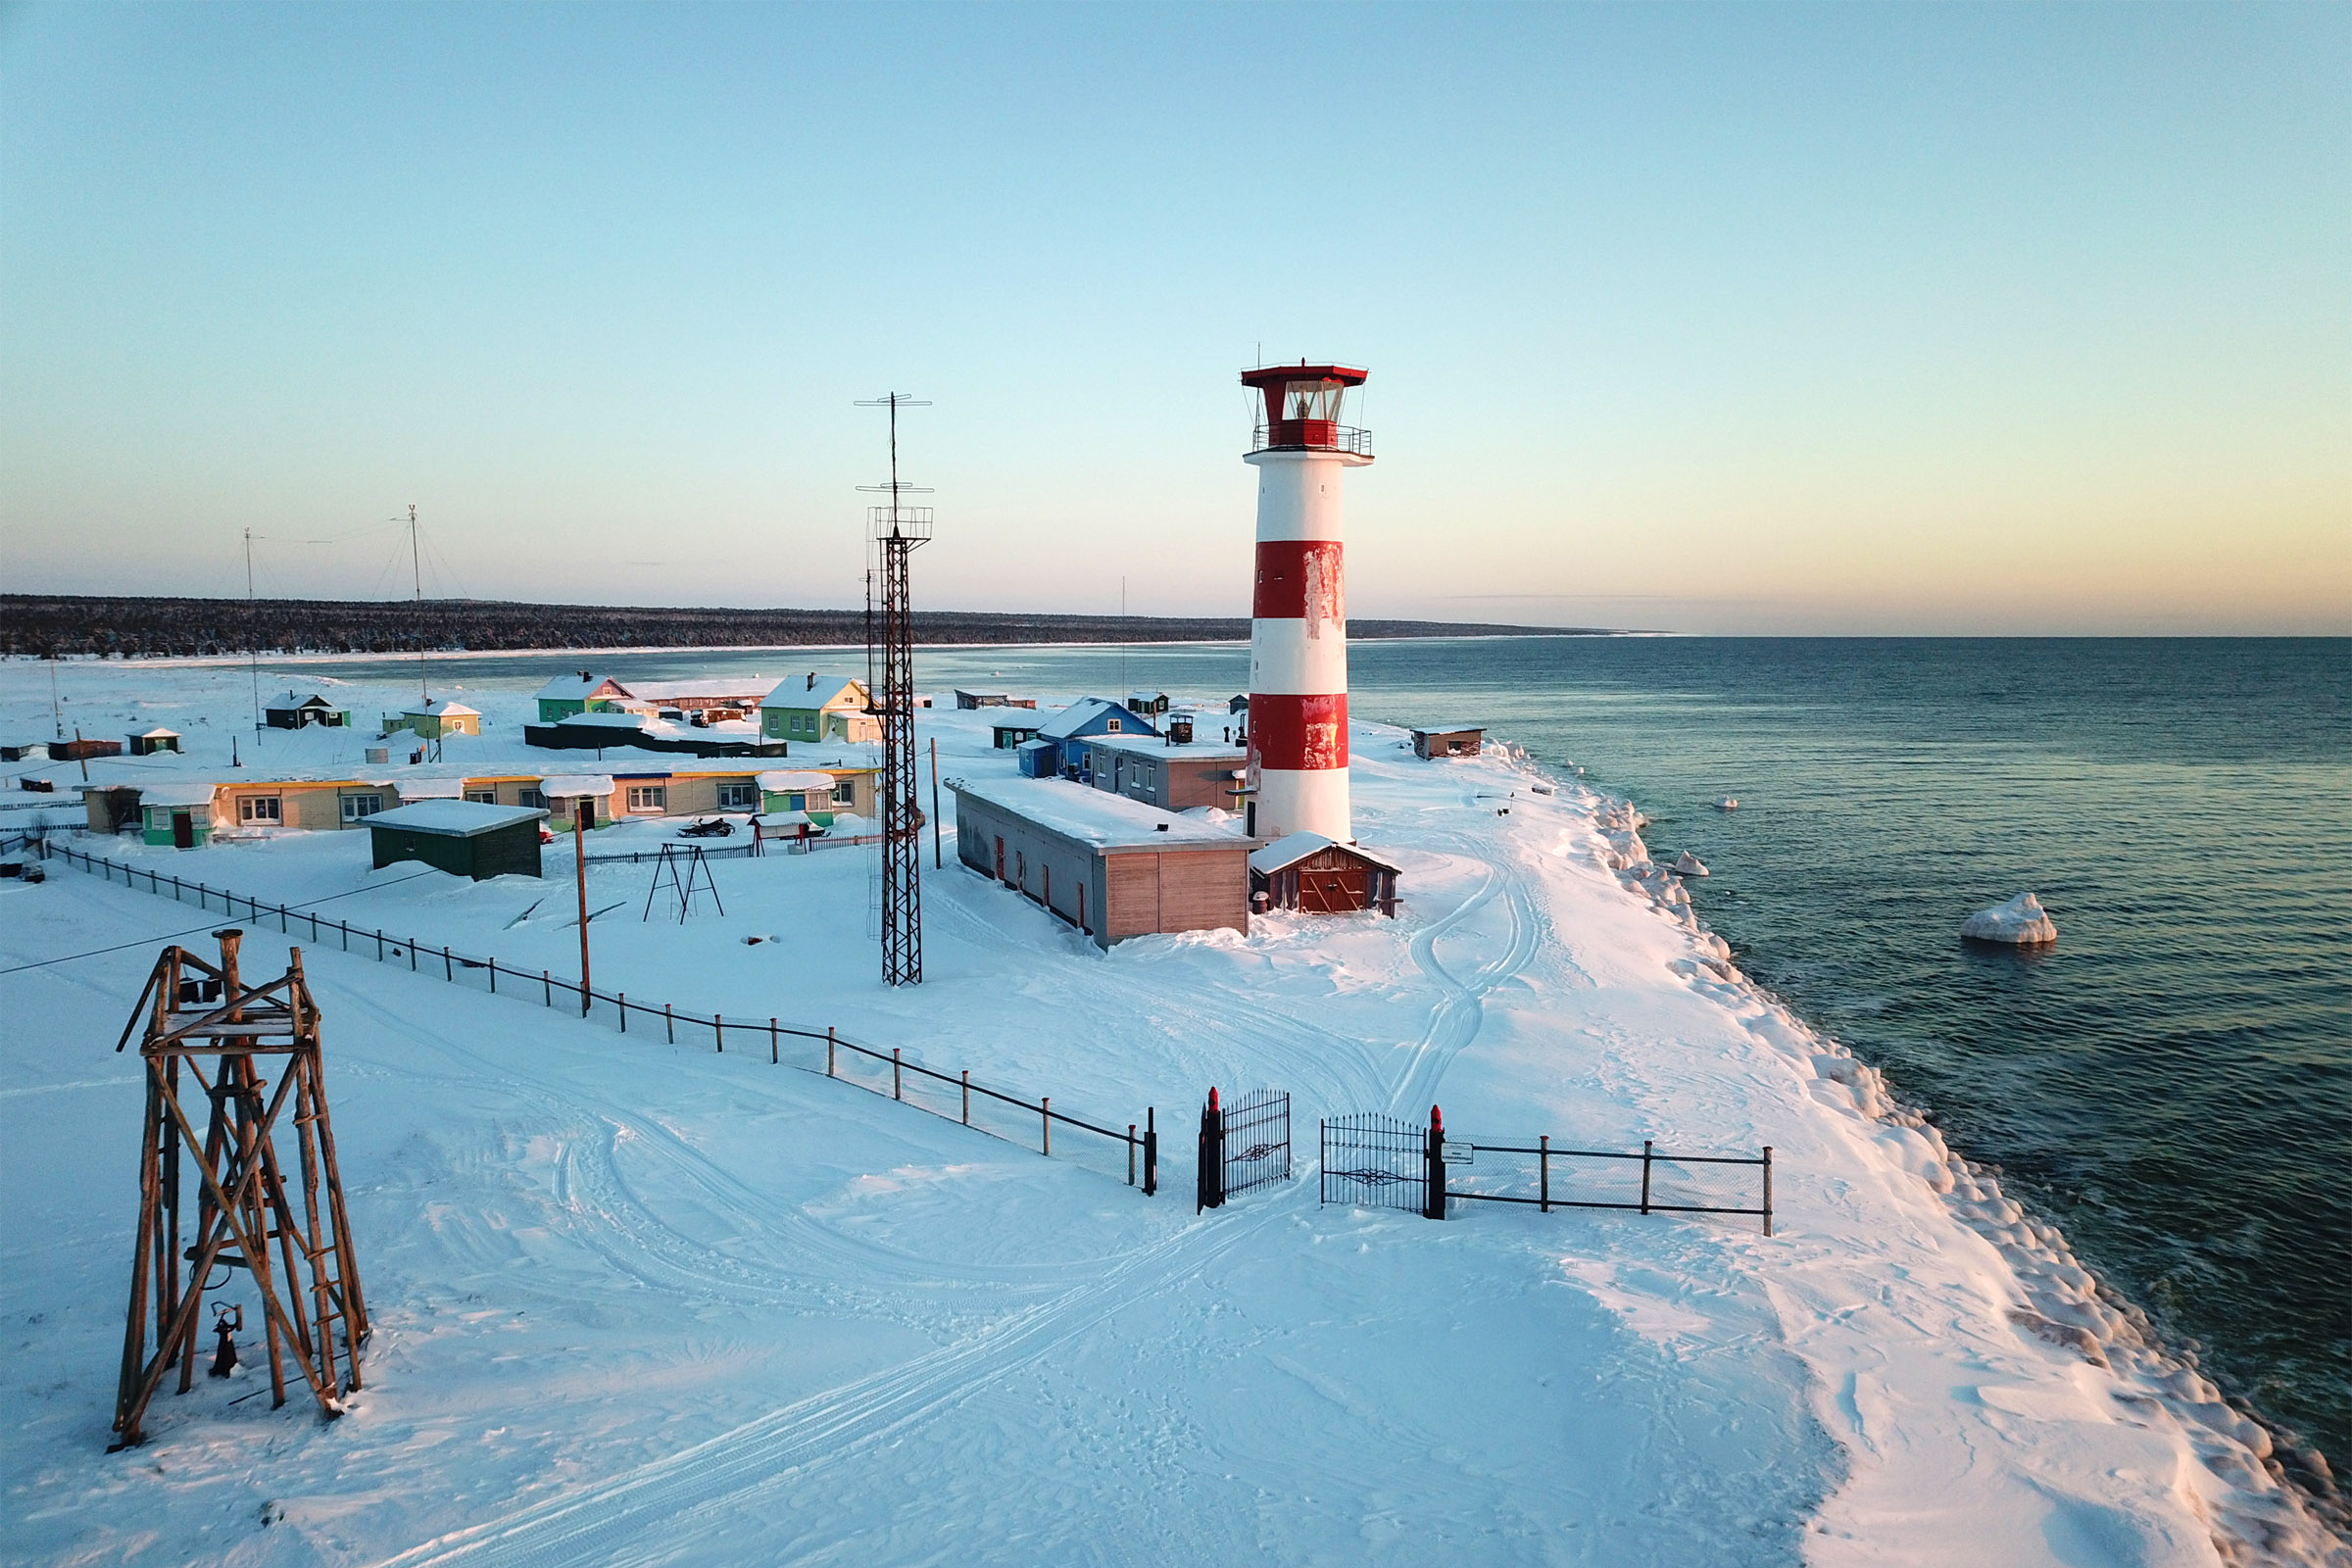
(2172, 1085)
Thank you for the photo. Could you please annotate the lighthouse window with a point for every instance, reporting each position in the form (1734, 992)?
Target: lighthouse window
(1311, 400)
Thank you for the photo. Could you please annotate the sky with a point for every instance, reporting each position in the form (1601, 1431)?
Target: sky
(1762, 318)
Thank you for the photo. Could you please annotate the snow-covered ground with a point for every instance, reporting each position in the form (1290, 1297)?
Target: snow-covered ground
(644, 1304)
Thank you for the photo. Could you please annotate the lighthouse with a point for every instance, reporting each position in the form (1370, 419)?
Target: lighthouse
(1298, 773)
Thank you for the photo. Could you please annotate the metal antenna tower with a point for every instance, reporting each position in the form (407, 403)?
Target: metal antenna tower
(252, 633)
(898, 529)
(424, 695)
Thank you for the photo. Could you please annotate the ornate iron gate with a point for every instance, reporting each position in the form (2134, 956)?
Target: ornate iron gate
(1257, 1141)
(1377, 1162)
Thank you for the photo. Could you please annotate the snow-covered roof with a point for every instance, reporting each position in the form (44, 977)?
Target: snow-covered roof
(1096, 817)
(461, 819)
(828, 691)
(1447, 729)
(579, 687)
(602, 718)
(1158, 746)
(176, 792)
(159, 733)
(568, 784)
(442, 709)
(786, 819)
(1292, 847)
(796, 779)
(1084, 711)
(290, 698)
(707, 689)
(432, 789)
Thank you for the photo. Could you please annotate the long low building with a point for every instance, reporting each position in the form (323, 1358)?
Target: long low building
(1111, 866)
(187, 810)
(1160, 772)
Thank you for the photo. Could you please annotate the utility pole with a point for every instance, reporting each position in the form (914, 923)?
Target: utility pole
(898, 530)
(938, 855)
(253, 634)
(583, 814)
(57, 709)
(417, 576)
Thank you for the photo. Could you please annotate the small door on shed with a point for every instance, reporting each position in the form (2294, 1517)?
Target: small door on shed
(184, 830)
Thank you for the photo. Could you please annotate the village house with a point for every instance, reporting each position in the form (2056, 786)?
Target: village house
(1113, 867)
(1010, 734)
(1461, 740)
(290, 710)
(1052, 753)
(819, 707)
(465, 837)
(432, 721)
(978, 700)
(158, 739)
(584, 692)
(1159, 772)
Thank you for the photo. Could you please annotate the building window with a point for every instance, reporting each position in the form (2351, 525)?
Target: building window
(649, 797)
(261, 809)
(484, 797)
(739, 797)
(356, 806)
(1112, 725)
(845, 792)
(535, 799)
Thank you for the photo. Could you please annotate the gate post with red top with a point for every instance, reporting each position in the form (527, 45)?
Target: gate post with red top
(1434, 1202)
(1210, 1188)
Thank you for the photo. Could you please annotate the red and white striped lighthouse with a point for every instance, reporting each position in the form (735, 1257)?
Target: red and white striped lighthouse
(1298, 627)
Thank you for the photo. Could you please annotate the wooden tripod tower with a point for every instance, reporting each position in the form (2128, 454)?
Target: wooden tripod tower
(241, 1200)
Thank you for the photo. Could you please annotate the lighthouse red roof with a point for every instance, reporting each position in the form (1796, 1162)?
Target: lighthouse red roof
(1276, 374)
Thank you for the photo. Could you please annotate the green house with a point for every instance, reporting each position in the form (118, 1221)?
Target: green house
(176, 815)
(819, 707)
(582, 692)
(802, 790)
(465, 837)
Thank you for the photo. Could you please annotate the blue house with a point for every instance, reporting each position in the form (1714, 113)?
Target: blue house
(1048, 754)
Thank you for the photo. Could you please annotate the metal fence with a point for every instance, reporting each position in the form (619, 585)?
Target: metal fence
(1256, 1144)
(1647, 1183)
(891, 1072)
(1375, 1161)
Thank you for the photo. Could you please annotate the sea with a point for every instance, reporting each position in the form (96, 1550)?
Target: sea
(2171, 1084)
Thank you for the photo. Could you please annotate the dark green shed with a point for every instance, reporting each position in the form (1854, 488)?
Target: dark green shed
(465, 837)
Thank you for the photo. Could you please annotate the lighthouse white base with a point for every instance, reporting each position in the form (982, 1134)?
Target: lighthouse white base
(1304, 802)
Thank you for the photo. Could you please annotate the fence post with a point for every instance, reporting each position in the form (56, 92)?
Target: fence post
(494, 977)
(1644, 1175)
(1151, 1152)
(1130, 1153)
(379, 946)
(1208, 1180)
(448, 969)
(718, 1032)
(895, 1092)
(412, 954)
(1434, 1201)
(967, 1096)
(547, 986)
(1767, 1189)
(829, 1051)
(622, 997)
(1543, 1175)
(669, 1023)
(1045, 1106)
(774, 1054)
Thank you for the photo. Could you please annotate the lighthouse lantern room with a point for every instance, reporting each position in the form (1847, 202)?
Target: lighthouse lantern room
(1298, 773)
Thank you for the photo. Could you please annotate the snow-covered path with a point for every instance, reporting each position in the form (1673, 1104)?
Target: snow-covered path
(641, 1303)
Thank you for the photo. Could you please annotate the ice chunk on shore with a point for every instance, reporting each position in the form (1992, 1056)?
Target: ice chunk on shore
(1689, 865)
(1729, 803)
(2020, 921)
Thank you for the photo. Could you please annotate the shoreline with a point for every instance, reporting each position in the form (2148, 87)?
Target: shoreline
(2298, 1516)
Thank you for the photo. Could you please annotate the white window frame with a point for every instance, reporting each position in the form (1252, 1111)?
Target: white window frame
(651, 800)
(250, 810)
(739, 797)
(351, 804)
(482, 796)
(845, 792)
(534, 798)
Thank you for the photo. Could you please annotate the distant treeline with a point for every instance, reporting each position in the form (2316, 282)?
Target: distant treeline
(45, 624)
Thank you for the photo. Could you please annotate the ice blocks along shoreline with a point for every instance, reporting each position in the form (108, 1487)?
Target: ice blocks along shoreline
(2020, 922)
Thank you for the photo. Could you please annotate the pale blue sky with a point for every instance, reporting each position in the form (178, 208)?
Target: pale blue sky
(1870, 319)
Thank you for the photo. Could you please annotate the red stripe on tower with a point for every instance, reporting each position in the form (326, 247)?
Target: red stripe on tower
(1299, 733)
(1300, 580)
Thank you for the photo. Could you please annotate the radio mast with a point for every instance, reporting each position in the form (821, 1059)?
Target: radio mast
(898, 530)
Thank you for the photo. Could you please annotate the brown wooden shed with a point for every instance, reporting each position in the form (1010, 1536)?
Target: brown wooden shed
(1317, 875)
(1113, 867)
(1462, 741)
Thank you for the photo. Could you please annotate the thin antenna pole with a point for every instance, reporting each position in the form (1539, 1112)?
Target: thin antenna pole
(417, 576)
(1122, 638)
(56, 711)
(255, 650)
